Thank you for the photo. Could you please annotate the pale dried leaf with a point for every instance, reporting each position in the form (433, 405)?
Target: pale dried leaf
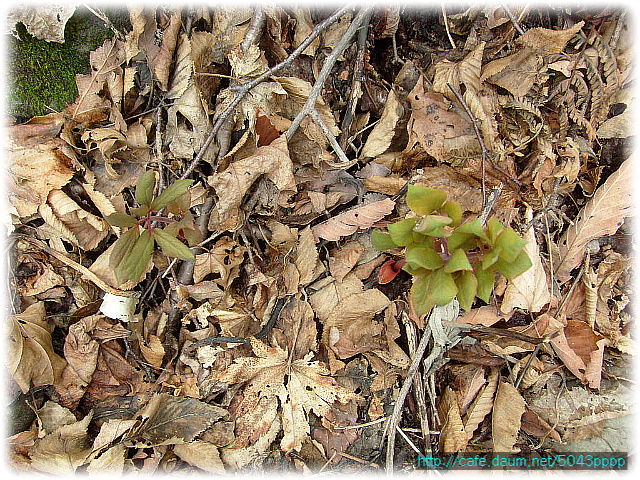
(380, 137)
(548, 41)
(87, 229)
(308, 388)
(349, 222)
(516, 73)
(200, 454)
(329, 293)
(187, 132)
(453, 437)
(45, 22)
(602, 215)
(344, 258)
(63, 450)
(530, 290)
(183, 69)
(110, 462)
(39, 162)
(30, 356)
(162, 63)
(306, 258)
(482, 404)
(434, 122)
(152, 351)
(508, 408)
(105, 61)
(221, 261)
(232, 184)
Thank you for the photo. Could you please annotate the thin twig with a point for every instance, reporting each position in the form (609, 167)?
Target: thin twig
(402, 395)
(102, 16)
(418, 386)
(310, 106)
(474, 122)
(493, 196)
(408, 440)
(244, 89)
(356, 84)
(255, 28)
(513, 19)
(446, 26)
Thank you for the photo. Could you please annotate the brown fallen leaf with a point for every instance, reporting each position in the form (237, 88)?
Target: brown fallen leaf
(39, 161)
(453, 437)
(481, 405)
(200, 454)
(45, 22)
(508, 408)
(349, 222)
(31, 359)
(63, 450)
(532, 424)
(602, 215)
(380, 137)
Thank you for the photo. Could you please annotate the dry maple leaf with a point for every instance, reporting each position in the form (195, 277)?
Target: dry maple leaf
(302, 386)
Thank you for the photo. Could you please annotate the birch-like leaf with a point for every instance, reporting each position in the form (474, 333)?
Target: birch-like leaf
(602, 215)
(349, 222)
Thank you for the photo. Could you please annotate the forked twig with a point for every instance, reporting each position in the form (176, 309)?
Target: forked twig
(309, 108)
(245, 88)
(513, 19)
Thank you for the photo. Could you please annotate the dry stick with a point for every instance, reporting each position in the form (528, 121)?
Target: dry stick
(474, 122)
(493, 196)
(245, 88)
(513, 19)
(356, 85)
(446, 26)
(402, 395)
(417, 383)
(255, 28)
(102, 16)
(309, 107)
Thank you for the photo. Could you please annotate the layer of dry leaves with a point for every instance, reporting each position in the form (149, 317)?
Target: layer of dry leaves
(287, 236)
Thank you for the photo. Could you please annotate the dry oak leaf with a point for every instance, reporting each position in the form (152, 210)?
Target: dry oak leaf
(30, 356)
(221, 261)
(301, 385)
(549, 42)
(453, 437)
(602, 215)
(39, 162)
(481, 405)
(349, 222)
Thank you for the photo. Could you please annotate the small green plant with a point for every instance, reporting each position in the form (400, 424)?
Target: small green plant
(132, 251)
(448, 258)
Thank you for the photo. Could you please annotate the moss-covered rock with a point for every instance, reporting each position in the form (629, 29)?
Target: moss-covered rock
(41, 75)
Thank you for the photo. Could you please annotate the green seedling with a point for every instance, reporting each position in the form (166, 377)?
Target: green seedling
(132, 251)
(448, 258)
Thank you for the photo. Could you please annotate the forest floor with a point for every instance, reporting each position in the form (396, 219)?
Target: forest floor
(231, 242)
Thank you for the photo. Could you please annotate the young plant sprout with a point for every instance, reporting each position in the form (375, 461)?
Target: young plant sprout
(132, 251)
(448, 258)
